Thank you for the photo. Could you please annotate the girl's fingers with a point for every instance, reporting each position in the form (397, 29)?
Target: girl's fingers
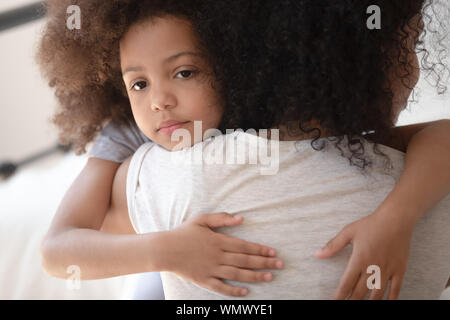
(394, 288)
(360, 290)
(336, 244)
(348, 280)
(236, 245)
(377, 294)
(251, 262)
(242, 275)
(216, 220)
(226, 289)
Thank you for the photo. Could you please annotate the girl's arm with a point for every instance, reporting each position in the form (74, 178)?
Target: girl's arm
(383, 237)
(425, 180)
(74, 237)
(192, 250)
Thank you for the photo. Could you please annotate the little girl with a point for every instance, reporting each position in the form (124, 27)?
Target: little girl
(95, 97)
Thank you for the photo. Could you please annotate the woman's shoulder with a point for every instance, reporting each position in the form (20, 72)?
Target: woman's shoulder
(401, 135)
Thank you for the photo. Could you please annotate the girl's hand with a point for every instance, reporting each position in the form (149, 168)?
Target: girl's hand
(205, 257)
(378, 239)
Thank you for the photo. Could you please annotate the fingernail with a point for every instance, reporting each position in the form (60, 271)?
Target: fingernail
(279, 264)
(268, 276)
(271, 252)
(244, 292)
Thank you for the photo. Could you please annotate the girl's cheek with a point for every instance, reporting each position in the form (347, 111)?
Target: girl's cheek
(137, 101)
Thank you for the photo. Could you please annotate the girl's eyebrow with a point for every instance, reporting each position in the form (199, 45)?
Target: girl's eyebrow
(183, 53)
(167, 60)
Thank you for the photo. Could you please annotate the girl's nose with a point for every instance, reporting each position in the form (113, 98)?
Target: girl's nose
(162, 98)
(154, 107)
(159, 107)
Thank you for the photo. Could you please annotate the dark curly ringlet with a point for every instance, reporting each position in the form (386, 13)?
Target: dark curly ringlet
(274, 61)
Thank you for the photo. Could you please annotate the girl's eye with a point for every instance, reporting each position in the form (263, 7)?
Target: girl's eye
(186, 73)
(141, 84)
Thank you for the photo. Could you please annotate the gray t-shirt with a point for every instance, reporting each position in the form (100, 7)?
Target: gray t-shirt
(296, 210)
(117, 142)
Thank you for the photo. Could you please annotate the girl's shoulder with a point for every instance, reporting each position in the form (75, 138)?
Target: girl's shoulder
(118, 141)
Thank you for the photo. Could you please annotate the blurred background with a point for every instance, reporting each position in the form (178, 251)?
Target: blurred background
(30, 197)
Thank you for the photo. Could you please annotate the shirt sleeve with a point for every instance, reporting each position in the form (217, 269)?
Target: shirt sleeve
(116, 142)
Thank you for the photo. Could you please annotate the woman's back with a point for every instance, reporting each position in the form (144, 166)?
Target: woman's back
(311, 197)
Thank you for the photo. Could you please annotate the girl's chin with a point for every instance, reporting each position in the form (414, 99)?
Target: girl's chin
(173, 146)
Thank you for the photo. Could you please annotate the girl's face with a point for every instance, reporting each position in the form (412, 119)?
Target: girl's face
(167, 80)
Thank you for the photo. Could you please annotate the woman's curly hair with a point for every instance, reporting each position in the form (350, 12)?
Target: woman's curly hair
(275, 61)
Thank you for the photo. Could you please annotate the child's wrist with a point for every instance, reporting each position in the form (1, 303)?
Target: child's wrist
(398, 214)
(156, 251)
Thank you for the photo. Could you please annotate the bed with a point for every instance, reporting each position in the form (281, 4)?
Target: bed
(28, 201)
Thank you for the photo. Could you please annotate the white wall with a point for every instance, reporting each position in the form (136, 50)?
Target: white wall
(26, 102)
(429, 106)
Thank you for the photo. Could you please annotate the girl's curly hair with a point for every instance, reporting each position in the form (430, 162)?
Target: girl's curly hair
(275, 60)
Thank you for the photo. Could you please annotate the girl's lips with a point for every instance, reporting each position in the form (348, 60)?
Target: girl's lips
(172, 128)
